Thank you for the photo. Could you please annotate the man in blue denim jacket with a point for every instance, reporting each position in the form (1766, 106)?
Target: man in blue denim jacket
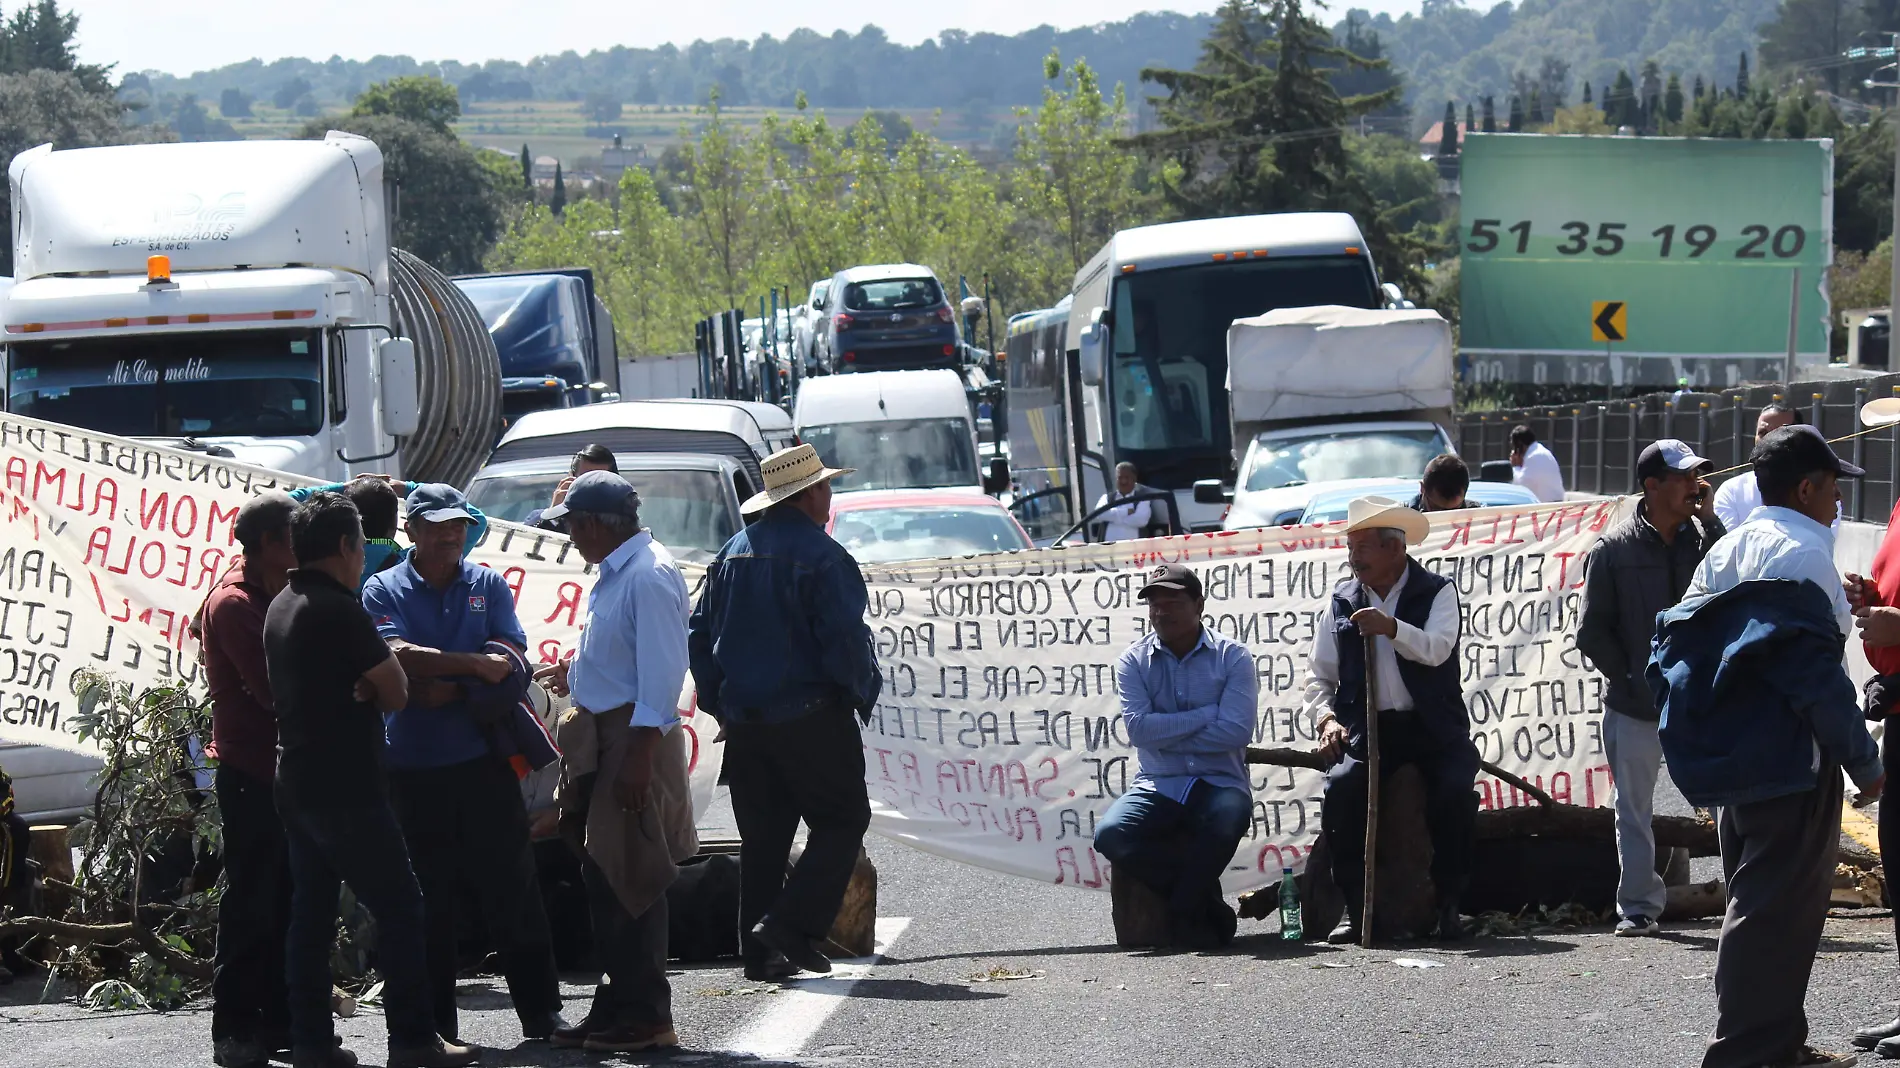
(782, 658)
(1759, 719)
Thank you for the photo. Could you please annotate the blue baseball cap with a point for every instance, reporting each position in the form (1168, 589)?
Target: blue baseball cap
(600, 492)
(436, 502)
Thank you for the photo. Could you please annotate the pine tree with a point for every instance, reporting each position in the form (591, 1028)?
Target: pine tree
(1619, 104)
(557, 200)
(1516, 121)
(1536, 114)
(1699, 90)
(1672, 99)
(1741, 77)
(1490, 115)
(527, 168)
(1448, 131)
(1586, 94)
(1471, 121)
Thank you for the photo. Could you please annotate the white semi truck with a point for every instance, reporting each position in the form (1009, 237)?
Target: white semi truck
(242, 299)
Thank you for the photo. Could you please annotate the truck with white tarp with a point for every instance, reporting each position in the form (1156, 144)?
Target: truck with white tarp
(1329, 396)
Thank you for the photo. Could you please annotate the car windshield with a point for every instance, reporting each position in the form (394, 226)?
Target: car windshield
(891, 294)
(1167, 382)
(688, 511)
(1327, 457)
(897, 453)
(891, 535)
(253, 383)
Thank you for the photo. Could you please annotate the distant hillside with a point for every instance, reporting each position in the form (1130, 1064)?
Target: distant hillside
(841, 70)
(1452, 52)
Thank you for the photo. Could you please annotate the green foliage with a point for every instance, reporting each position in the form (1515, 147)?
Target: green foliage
(451, 202)
(557, 198)
(1072, 178)
(428, 101)
(39, 36)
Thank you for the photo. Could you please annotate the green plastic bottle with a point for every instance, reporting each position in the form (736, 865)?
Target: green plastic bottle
(1290, 927)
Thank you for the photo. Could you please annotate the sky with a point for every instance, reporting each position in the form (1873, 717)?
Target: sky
(183, 36)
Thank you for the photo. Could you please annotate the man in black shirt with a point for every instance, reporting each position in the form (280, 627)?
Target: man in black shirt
(332, 678)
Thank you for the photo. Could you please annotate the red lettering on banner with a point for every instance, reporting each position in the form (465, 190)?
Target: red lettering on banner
(570, 599)
(99, 502)
(152, 509)
(178, 510)
(1460, 533)
(514, 577)
(16, 475)
(208, 563)
(1044, 780)
(1284, 857)
(146, 568)
(1560, 787)
(1065, 858)
(907, 766)
(101, 540)
(213, 514)
(549, 650)
(692, 756)
(51, 476)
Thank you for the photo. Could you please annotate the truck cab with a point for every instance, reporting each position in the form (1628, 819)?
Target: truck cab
(553, 336)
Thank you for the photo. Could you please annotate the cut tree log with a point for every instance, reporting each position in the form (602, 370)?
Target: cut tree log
(1695, 901)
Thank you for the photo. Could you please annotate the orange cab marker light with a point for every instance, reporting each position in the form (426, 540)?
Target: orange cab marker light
(115, 322)
(157, 320)
(1352, 250)
(283, 315)
(1128, 268)
(1220, 255)
(198, 317)
(1259, 253)
(32, 328)
(1240, 255)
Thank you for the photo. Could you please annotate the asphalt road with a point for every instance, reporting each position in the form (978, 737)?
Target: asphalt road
(990, 970)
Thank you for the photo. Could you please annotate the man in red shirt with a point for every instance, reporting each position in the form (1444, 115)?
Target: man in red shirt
(250, 1014)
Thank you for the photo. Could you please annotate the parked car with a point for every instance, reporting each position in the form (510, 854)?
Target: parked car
(1330, 504)
(890, 317)
(747, 431)
(808, 327)
(1284, 468)
(689, 501)
(891, 527)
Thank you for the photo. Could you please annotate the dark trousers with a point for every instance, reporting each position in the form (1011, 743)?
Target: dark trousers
(1451, 806)
(248, 996)
(1778, 863)
(1889, 815)
(1179, 849)
(632, 952)
(336, 839)
(468, 833)
(810, 768)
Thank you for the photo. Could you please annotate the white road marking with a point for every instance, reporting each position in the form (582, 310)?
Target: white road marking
(798, 1013)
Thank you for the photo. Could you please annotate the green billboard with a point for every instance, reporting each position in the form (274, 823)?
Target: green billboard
(1642, 260)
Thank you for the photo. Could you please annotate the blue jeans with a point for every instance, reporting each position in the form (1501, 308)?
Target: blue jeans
(360, 844)
(1179, 850)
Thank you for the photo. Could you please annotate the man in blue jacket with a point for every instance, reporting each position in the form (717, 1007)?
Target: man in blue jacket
(1758, 719)
(783, 660)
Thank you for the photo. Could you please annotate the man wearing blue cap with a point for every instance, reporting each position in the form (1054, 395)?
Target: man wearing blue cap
(624, 768)
(458, 799)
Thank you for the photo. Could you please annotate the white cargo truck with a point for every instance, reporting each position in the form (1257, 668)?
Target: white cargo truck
(242, 299)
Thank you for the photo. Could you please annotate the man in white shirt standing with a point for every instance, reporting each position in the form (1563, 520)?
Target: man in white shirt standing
(628, 673)
(1412, 615)
(1124, 521)
(1737, 499)
(1535, 467)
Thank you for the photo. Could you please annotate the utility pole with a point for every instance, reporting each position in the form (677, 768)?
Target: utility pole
(1892, 51)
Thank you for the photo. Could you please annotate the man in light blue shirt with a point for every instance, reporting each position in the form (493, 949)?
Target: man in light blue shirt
(1188, 700)
(629, 670)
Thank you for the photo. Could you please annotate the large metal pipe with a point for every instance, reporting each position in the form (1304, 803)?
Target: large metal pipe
(458, 374)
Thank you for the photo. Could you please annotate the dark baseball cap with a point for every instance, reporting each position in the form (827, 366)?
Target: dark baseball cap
(1172, 577)
(266, 513)
(1799, 449)
(599, 492)
(1668, 454)
(436, 502)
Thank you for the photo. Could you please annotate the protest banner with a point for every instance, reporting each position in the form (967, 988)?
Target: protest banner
(997, 740)
(109, 546)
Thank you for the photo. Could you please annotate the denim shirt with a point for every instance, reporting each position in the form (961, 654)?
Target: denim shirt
(1190, 718)
(780, 625)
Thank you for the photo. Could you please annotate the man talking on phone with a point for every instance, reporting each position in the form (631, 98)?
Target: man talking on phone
(1640, 568)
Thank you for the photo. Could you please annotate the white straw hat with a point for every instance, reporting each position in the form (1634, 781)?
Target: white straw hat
(1882, 412)
(1369, 513)
(788, 471)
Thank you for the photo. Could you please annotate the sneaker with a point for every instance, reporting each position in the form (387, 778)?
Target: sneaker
(1637, 926)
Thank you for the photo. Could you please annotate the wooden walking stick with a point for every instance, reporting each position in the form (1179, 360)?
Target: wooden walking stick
(1372, 794)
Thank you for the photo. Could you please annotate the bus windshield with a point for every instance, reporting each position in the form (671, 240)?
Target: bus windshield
(265, 383)
(1167, 380)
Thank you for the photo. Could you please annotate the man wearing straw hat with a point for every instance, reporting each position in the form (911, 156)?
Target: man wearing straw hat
(1411, 614)
(783, 660)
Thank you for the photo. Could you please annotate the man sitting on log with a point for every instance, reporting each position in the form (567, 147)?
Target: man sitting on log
(1641, 567)
(1412, 616)
(1188, 699)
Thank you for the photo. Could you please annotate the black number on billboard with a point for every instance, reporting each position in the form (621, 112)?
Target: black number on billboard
(1796, 236)
(1612, 233)
(1668, 235)
(1579, 238)
(1523, 232)
(1751, 249)
(1484, 235)
(1700, 238)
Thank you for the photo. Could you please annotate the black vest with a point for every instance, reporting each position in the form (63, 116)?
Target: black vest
(1436, 692)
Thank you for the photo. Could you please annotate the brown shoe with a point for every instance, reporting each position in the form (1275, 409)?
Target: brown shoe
(575, 1037)
(632, 1038)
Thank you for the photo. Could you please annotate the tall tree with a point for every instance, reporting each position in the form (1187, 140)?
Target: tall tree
(1586, 94)
(1672, 99)
(1490, 115)
(1471, 122)
(423, 99)
(1741, 76)
(1697, 94)
(1812, 33)
(1072, 175)
(1448, 131)
(1535, 115)
(1516, 122)
(557, 200)
(527, 167)
(39, 36)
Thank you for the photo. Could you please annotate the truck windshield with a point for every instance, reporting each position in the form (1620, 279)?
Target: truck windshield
(897, 453)
(1294, 460)
(248, 384)
(686, 510)
(1167, 382)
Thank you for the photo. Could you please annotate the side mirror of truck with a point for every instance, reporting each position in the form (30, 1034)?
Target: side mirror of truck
(1395, 297)
(997, 480)
(402, 407)
(1210, 491)
(1094, 340)
(1495, 471)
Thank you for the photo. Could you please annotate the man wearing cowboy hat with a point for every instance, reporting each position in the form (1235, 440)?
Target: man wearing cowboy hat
(1412, 616)
(783, 659)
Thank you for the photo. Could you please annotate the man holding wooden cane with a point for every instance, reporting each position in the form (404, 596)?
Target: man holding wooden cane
(1411, 616)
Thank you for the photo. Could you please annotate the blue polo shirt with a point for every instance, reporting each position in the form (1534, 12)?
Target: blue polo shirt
(476, 607)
